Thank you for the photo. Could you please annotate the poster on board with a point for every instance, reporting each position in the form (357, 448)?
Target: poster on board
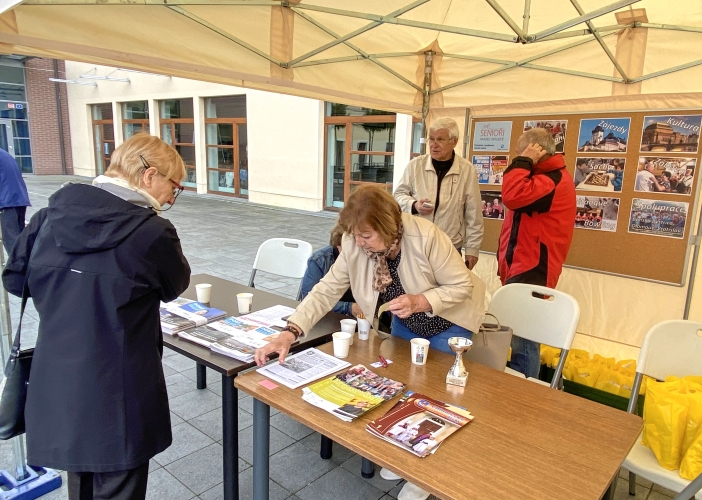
(593, 212)
(492, 136)
(605, 135)
(493, 208)
(673, 175)
(557, 128)
(490, 168)
(658, 218)
(599, 174)
(671, 133)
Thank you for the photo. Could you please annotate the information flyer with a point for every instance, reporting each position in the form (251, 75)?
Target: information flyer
(493, 208)
(599, 174)
(593, 212)
(490, 168)
(665, 175)
(607, 135)
(492, 136)
(658, 218)
(557, 128)
(671, 133)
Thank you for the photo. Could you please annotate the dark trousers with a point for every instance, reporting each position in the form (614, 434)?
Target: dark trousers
(12, 224)
(120, 485)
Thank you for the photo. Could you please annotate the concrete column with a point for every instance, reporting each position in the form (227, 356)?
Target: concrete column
(200, 144)
(117, 123)
(403, 146)
(154, 126)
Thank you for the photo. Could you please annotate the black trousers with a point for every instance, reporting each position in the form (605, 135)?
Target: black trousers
(12, 223)
(120, 485)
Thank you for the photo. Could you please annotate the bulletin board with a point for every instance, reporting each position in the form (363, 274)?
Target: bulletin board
(650, 234)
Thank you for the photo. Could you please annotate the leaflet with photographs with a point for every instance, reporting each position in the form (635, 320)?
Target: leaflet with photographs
(493, 208)
(665, 175)
(671, 133)
(599, 174)
(596, 213)
(658, 218)
(490, 169)
(557, 128)
(606, 135)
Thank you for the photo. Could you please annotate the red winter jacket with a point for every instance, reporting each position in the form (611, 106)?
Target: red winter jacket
(538, 227)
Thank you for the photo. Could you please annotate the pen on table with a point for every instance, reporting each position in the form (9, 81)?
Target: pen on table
(382, 361)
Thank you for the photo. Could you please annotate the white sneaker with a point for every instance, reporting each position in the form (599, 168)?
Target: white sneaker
(411, 492)
(388, 474)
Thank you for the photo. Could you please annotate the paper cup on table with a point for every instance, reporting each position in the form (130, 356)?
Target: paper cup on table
(420, 351)
(204, 292)
(341, 342)
(349, 326)
(244, 301)
(363, 329)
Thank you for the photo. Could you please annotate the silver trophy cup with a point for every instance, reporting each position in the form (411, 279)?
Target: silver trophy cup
(458, 375)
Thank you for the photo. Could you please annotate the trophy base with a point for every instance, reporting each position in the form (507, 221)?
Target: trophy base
(460, 381)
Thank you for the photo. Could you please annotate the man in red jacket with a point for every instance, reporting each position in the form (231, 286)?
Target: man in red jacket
(539, 194)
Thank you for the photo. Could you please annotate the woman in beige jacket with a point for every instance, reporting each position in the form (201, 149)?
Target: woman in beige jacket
(392, 257)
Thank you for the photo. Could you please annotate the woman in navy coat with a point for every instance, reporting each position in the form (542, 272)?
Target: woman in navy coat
(97, 261)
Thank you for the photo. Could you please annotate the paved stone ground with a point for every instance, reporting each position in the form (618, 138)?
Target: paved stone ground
(220, 236)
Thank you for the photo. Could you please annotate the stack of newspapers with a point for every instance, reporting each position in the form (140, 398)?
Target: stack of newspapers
(182, 314)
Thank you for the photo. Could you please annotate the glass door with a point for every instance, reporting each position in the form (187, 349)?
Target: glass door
(6, 138)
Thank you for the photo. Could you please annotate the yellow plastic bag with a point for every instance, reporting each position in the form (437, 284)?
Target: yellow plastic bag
(549, 355)
(627, 364)
(691, 464)
(665, 421)
(694, 411)
(609, 380)
(588, 374)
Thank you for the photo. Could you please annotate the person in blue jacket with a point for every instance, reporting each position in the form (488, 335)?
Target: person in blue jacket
(319, 264)
(14, 200)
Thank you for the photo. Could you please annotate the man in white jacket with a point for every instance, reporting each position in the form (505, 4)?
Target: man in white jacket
(443, 187)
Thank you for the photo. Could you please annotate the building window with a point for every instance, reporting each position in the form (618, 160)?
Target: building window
(135, 118)
(226, 135)
(360, 144)
(416, 136)
(178, 130)
(14, 123)
(104, 135)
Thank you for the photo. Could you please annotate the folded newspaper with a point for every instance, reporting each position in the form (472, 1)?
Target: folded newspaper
(302, 368)
(241, 338)
(419, 424)
(182, 314)
(350, 394)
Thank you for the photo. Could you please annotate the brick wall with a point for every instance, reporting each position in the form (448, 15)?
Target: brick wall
(43, 117)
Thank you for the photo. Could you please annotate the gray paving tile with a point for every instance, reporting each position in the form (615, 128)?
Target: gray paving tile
(657, 495)
(177, 385)
(393, 493)
(279, 441)
(666, 492)
(199, 471)
(339, 453)
(153, 465)
(211, 422)
(291, 427)
(276, 491)
(179, 362)
(175, 420)
(186, 440)
(295, 478)
(194, 403)
(621, 492)
(340, 485)
(353, 465)
(246, 404)
(162, 485)
(167, 370)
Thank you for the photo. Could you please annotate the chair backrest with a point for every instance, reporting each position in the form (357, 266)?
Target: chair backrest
(551, 321)
(283, 256)
(672, 347)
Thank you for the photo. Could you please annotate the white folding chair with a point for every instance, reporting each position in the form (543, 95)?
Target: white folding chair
(551, 320)
(284, 257)
(670, 348)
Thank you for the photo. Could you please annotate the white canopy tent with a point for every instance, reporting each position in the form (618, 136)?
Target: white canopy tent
(496, 57)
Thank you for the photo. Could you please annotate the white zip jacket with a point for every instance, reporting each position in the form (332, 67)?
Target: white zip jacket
(459, 214)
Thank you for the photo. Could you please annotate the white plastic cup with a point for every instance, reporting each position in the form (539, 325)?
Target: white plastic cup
(204, 292)
(420, 351)
(341, 342)
(244, 301)
(349, 326)
(363, 328)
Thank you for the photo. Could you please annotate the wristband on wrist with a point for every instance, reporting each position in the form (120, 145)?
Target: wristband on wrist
(294, 329)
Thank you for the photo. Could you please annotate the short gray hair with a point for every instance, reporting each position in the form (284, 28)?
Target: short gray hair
(540, 136)
(447, 123)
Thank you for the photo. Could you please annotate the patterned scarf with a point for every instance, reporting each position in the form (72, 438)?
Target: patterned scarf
(381, 273)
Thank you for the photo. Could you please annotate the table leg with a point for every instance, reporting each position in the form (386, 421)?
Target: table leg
(367, 468)
(201, 375)
(609, 493)
(325, 448)
(230, 441)
(261, 443)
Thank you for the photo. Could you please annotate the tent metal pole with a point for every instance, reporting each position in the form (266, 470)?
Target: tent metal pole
(667, 71)
(466, 133)
(527, 15)
(426, 96)
(574, 73)
(258, 3)
(478, 59)
(570, 34)
(673, 27)
(353, 58)
(505, 17)
(601, 42)
(363, 29)
(580, 19)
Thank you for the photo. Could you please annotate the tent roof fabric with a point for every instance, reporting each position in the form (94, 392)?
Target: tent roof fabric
(484, 52)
